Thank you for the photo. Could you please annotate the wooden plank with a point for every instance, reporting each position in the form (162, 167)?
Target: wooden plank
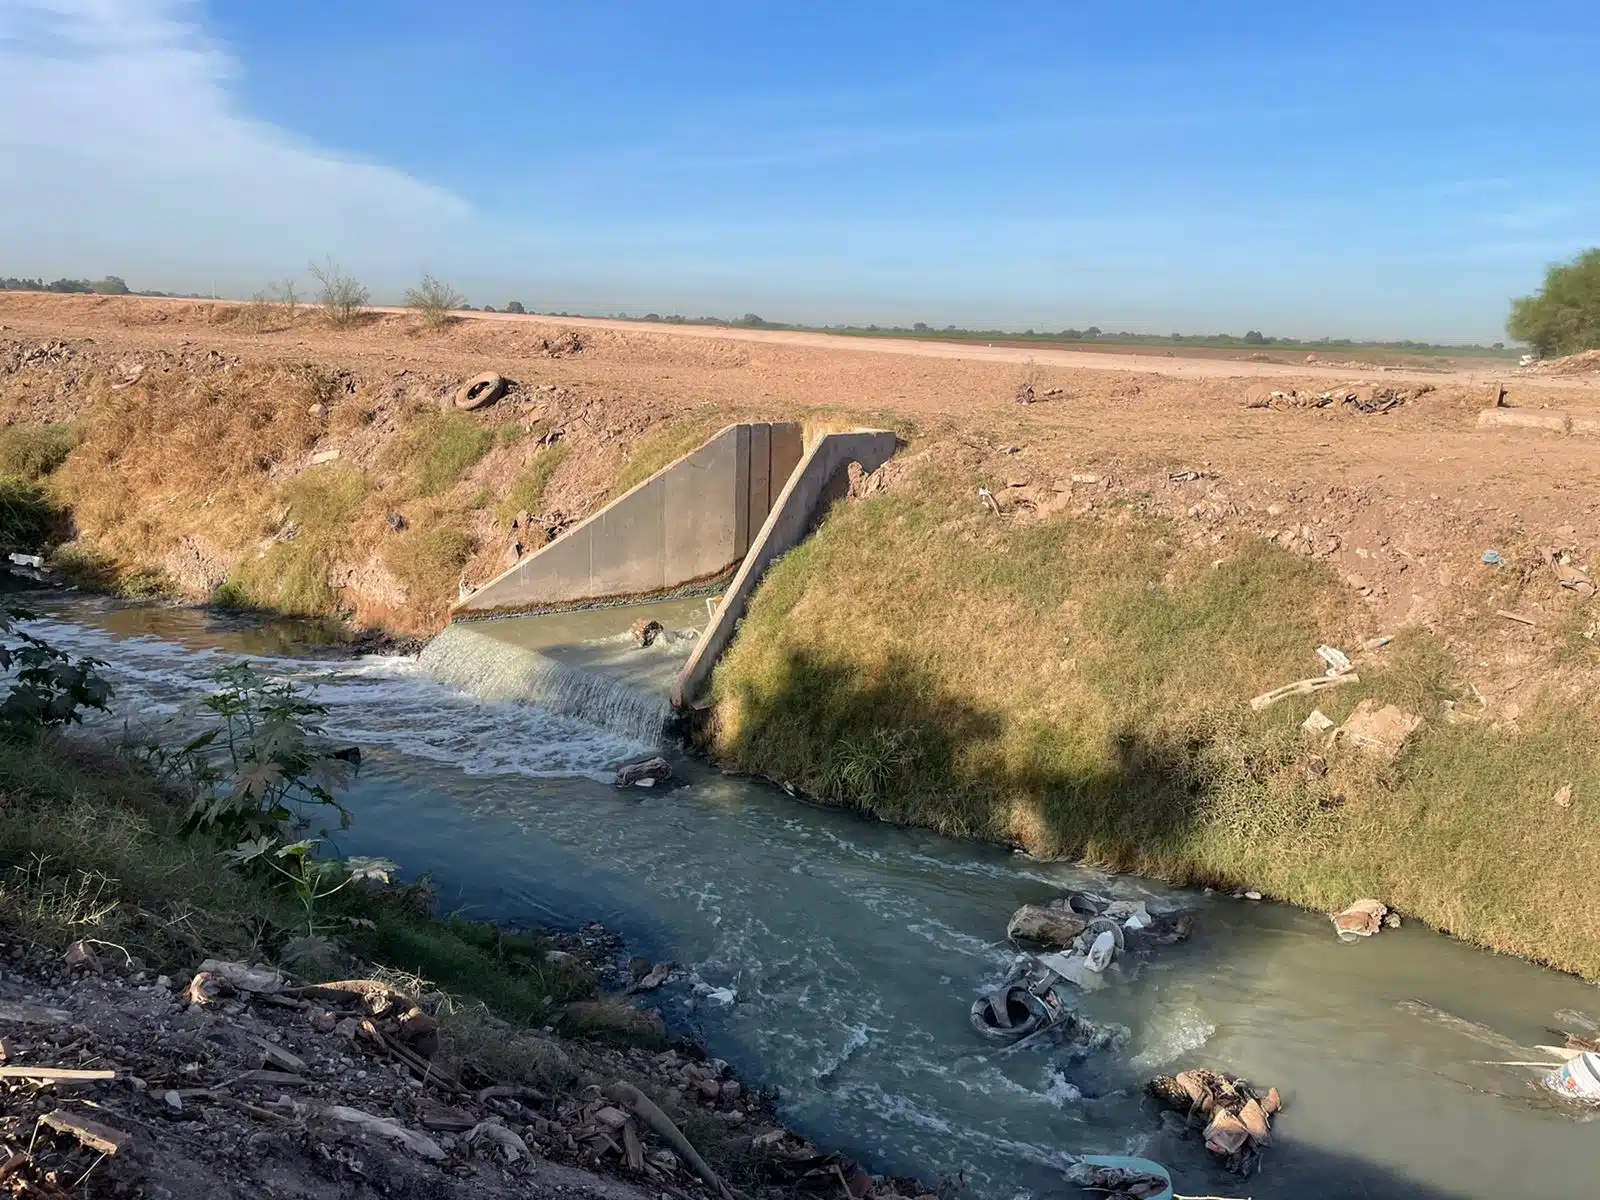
(54, 1074)
(91, 1133)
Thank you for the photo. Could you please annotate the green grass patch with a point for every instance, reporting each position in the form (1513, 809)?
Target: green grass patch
(428, 561)
(438, 450)
(1080, 687)
(660, 449)
(31, 452)
(326, 500)
(527, 492)
(291, 577)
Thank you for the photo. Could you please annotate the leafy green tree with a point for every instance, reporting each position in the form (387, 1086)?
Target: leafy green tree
(1563, 317)
(111, 285)
(515, 306)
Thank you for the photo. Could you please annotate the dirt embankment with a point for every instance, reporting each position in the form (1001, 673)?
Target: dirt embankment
(1062, 659)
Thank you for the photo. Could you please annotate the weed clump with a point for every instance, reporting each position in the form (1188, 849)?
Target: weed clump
(438, 450)
(429, 561)
(527, 492)
(31, 452)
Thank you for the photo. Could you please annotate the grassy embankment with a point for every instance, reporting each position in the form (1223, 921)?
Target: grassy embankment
(192, 488)
(1079, 686)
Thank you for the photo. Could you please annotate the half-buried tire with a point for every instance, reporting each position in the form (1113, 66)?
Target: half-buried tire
(480, 390)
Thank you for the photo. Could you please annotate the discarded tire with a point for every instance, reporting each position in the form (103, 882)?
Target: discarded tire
(480, 390)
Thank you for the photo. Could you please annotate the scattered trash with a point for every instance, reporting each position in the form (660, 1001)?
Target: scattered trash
(1568, 574)
(1376, 643)
(1578, 1078)
(1252, 895)
(653, 769)
(1190, 476)
(987, 497)
(1317, 722)
(1517, 617)
(1302, 687)
(1563, 796)
(1101, 952)
(1491, 558)
(1338, 661)
(645, 631)
(1120, 1175)
(26, 560)
(479, 391)
(1362, 919)
(1237, 1116)
(1380, 730)
(1025, 394)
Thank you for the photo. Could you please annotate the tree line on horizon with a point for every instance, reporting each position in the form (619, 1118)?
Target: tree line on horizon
(1562, 317)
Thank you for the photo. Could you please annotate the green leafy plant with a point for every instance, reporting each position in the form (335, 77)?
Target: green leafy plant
(262, 766)
(1563, 317)
(863, 770)
(49, 687)
(311, 880)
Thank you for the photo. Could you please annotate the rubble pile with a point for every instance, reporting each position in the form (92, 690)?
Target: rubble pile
(237, 1082)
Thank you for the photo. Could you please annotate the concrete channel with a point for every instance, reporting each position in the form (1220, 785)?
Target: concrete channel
(713, 520)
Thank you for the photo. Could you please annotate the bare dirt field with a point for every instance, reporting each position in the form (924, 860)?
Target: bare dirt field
(1402, 502)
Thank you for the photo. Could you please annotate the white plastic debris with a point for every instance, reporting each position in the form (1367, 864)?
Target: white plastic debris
(1338, 661)
(1101, 952)
(1317, 722)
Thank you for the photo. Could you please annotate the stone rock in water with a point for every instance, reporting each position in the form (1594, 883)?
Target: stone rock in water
(1057, 927)
(645, 631)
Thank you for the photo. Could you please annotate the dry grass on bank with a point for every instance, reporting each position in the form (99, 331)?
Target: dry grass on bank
(1079, 686)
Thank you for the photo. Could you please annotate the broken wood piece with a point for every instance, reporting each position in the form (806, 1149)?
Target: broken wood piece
(645, 1109)
(270, 1078)
(632, 1148)
(421, 1067)
(56, 1074)
(91, 1133)
(14, 1162)
(417, 1143)
(276, 1056)
(505, 1091)
(1303, 687)
(32, 1014)
(1511, 616)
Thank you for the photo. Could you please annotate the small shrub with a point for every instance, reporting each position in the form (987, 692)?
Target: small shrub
(434, 300)
(262, 766)
(49, 688)
(28, 519)
(515, 306)
(527, 493)
(428, 561)
(342, 297)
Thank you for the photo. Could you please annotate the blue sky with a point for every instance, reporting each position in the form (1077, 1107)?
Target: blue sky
(1364, 170)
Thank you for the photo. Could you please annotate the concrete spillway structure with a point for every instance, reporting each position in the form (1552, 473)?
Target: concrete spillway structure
(715, 519)
(689, 525)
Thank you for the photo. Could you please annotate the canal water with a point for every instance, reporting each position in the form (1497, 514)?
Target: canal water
(854, 949)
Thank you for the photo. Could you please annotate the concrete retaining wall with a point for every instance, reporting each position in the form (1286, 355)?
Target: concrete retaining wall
(689, 523)
(814, 483)
(1553, 420)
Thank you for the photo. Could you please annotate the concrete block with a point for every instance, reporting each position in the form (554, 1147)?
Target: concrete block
(785, 527)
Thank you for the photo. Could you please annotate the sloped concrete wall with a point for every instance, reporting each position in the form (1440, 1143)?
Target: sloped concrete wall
(688, 523)
(811, 485)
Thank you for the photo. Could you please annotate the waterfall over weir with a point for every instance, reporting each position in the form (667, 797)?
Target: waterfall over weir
(583, 665)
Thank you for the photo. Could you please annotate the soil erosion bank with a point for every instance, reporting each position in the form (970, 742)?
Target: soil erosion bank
(1063, 661)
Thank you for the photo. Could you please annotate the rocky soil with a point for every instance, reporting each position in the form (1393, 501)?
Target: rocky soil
(237, 1082)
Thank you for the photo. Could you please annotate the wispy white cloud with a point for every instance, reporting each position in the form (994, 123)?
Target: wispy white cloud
(125, 151)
